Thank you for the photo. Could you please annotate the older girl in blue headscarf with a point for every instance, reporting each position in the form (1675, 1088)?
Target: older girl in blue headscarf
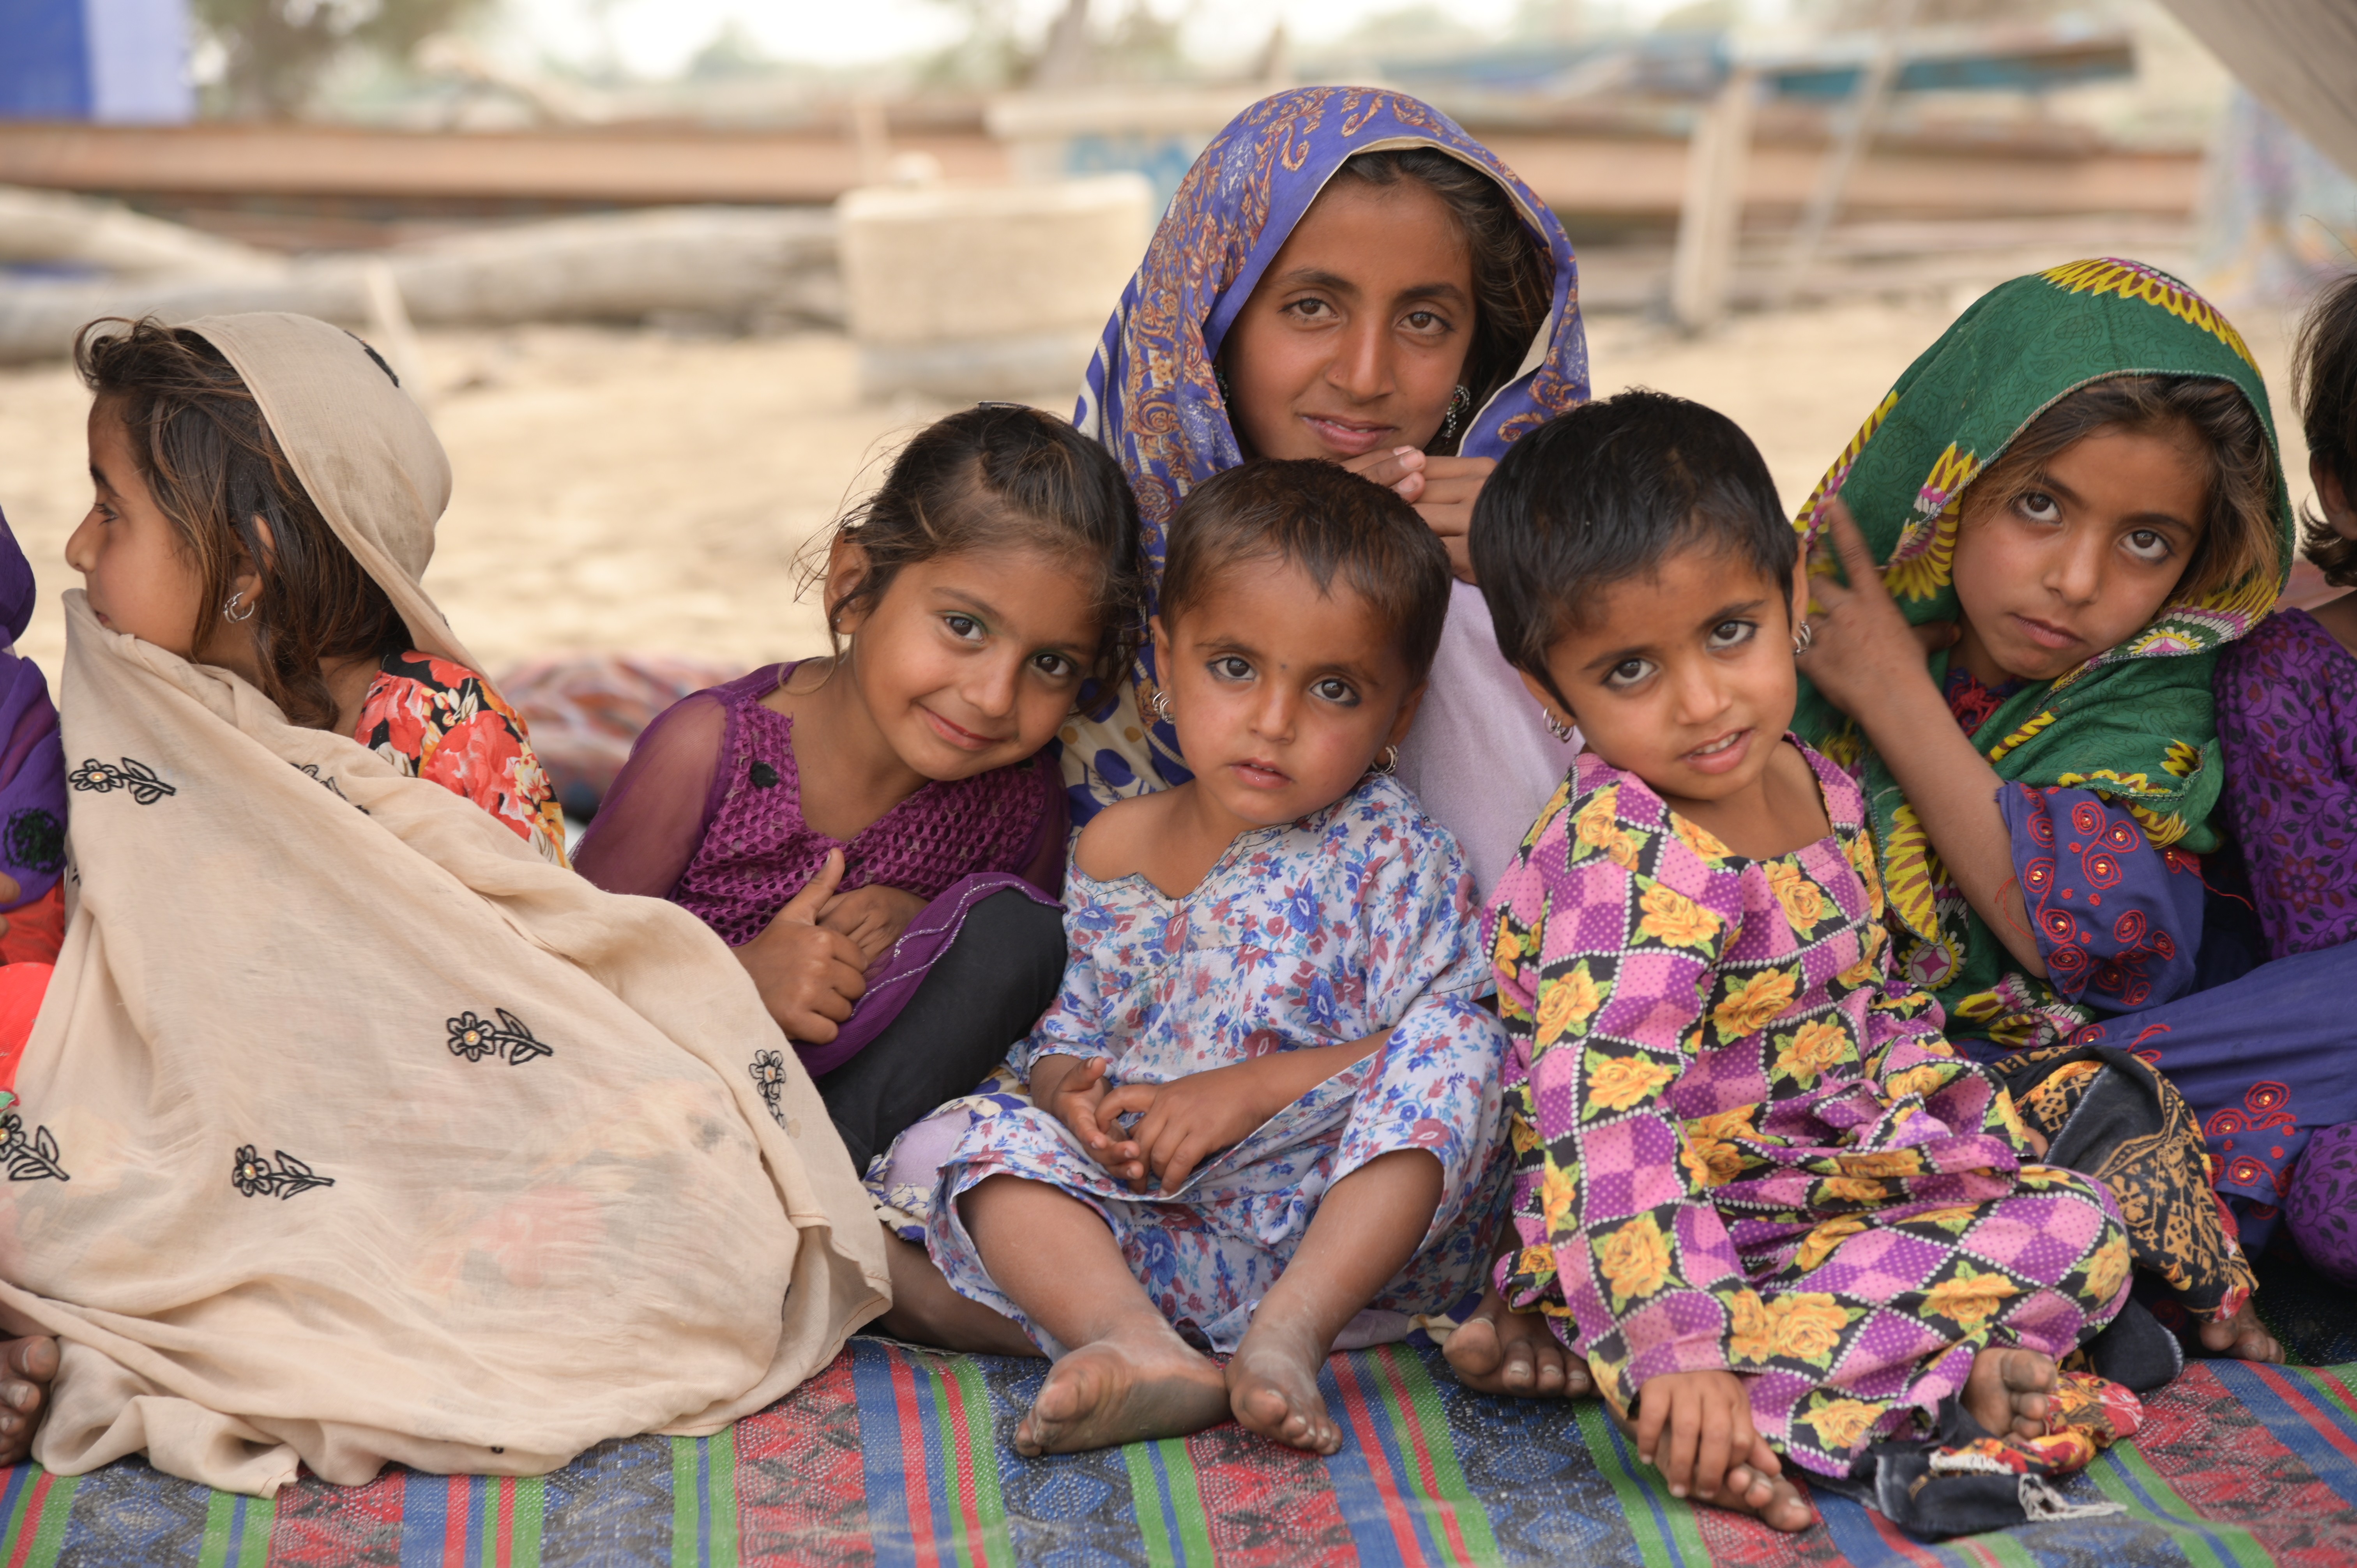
(1346, 275)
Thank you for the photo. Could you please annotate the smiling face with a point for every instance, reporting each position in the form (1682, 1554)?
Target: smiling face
(968, 662)
(2081, 557)
(1281, 695)
(1356, 337)
(1683, 678)
(139, 579)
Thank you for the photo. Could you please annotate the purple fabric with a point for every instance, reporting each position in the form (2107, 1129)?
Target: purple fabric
(2287, 718)
(2119, 922)
(897, 973)
(18, 593)
(707, 812)
(32, 757)
(2321, 1211)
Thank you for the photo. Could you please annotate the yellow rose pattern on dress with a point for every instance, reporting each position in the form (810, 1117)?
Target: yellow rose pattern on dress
(1741, 1144)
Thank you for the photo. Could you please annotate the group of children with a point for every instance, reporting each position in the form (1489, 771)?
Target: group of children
(1802, 1076)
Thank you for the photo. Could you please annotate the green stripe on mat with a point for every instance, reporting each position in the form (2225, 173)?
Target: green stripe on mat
(252, 1533)
(48, 1525)
(694, 1504)
(1663, 1527)
(511, 1513)
(2120, 1471)
(1176, 1534)
(962, 1401)
(1423, 1426)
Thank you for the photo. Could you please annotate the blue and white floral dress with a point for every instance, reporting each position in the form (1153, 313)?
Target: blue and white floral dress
(1357, 918)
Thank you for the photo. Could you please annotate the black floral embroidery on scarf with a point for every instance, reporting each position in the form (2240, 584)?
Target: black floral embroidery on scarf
(103, 778)
(253, 1176)
(333, 787)
(474, 1039)
(769, 1070)
(34, 840)
(28, 1159)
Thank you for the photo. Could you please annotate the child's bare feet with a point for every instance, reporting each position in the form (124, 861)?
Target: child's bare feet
(1273, 1387)
(27, 1364)
(2008, 1389)
(1129, 1385)
(1773, 1498)
(2242, 1337)
(1500, 1351)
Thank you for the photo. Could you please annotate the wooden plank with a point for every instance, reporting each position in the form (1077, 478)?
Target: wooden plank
(1596, 174)
(631, 167)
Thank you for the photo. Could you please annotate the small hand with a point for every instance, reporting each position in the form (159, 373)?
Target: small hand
(1181, 1121)
(1693, 1425)
(1077, 1098)
(1442, 490)
(1861, 646)
(809, 977)
(873, 917)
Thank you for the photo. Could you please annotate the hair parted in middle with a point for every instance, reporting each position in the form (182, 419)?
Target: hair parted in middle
(1327, 521)
(994, 476)
(1608, 492)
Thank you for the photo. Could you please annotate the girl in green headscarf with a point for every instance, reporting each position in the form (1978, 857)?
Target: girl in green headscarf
(2071, 502)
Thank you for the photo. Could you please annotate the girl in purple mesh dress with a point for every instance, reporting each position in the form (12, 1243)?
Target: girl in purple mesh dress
(871, 832)
(2287, 716)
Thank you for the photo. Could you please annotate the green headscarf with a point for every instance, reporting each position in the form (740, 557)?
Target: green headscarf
(2135, 723)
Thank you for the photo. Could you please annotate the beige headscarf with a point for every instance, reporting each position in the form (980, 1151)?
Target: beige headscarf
(352, 1131)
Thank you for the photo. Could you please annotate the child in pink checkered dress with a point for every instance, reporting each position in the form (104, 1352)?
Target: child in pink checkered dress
(1757, 1192)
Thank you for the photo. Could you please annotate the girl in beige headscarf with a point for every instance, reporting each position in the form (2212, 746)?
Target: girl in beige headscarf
(352, 1126)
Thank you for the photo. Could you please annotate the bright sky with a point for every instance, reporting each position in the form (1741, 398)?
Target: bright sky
(655, 38)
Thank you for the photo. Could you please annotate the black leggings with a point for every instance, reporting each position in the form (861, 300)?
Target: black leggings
(982, 995)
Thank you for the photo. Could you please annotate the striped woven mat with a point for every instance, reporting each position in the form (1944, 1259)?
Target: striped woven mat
(892, 1456)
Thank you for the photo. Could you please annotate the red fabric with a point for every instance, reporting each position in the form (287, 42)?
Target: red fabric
(37, 931)
(22, 986)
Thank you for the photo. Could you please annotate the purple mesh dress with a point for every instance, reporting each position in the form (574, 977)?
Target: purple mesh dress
(707, 813)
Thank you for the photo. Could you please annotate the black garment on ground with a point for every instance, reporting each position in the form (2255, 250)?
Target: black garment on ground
(983, 995)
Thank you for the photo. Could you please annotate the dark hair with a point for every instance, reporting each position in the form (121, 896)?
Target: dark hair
(2240, 534)
(2324, 389)
(218, 473)
(994, 476)
(1608, 492)
(1513, 281)
(1328, 522)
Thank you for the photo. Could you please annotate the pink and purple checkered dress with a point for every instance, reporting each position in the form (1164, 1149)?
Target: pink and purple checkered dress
(1741, 1147)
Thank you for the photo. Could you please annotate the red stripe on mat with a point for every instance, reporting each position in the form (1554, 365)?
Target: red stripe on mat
(915, 1477)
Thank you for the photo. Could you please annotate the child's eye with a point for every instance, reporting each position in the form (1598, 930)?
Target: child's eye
(1055, 666)
(1310, 309)
(1628, 673)
(1426, 321)
(1232, 668)
(1729, 634)
(963, 626)
(2146, 545)
(1336, 691)
(2039, 507)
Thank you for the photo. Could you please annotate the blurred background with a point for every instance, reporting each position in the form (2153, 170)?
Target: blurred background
(668, 275)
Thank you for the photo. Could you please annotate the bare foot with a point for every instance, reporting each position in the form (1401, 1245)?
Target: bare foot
(2242, 1337)
(1500, 1351)
(927, 1311)
(1124, 1387)
(1772, 1498)
(2006, 1392)
(27, 1364)
(1272, 1388)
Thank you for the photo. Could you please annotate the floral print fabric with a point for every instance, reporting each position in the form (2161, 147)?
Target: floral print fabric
(2287, 714)
(442, 723)
(1352, 921)
(1740, 1148)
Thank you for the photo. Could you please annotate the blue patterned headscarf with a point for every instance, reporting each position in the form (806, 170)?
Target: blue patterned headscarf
(1151, 396)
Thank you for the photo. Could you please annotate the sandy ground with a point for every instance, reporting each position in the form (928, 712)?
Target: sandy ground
(627, 490)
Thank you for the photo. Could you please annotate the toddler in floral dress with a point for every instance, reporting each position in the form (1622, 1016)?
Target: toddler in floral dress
(1755, 1189)
(1266, 1098)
